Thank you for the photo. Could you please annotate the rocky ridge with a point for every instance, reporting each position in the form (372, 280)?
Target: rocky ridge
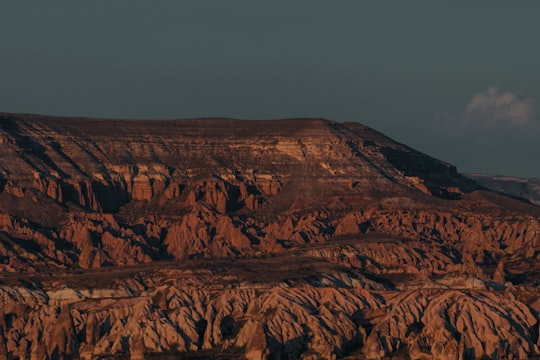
(374, 249)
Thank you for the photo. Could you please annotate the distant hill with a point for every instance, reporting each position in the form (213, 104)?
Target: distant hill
(528, 189)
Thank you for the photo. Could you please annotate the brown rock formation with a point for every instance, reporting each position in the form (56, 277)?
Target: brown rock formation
(300, 238)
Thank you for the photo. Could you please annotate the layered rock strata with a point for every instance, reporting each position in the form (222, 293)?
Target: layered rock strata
(396, 252)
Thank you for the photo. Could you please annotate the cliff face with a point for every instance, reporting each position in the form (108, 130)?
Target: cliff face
(78, 195)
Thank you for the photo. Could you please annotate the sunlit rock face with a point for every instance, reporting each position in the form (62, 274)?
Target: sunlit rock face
(299, 238)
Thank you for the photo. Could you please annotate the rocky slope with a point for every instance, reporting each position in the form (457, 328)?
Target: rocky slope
(276, 239)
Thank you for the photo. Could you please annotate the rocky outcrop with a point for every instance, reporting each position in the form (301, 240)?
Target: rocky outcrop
(454, 325)
(175, 311)
(345, 242)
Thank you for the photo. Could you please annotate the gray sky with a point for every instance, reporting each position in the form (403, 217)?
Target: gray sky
(459, 80)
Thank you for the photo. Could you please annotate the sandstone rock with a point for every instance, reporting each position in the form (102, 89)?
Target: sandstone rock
(301, 238)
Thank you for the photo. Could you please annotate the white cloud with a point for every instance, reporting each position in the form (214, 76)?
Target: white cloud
(493, 116)
(495, 107)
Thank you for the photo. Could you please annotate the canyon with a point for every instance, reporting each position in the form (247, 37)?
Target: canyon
(221, 238)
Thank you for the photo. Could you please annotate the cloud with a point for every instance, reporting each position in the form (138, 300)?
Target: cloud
(497, 131)
(495, 107)
(492, 116)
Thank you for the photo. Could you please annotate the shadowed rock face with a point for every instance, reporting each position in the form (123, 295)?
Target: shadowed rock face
(266, 239)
